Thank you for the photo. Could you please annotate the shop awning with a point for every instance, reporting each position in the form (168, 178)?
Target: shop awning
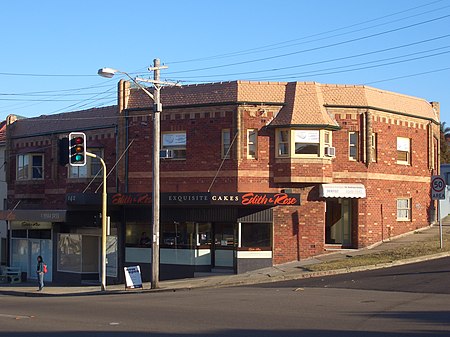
(342, 191)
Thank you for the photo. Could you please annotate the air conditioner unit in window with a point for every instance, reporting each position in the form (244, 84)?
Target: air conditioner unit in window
(166, 154)
(330, 151)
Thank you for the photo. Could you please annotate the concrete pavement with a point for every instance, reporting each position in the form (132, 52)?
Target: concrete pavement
(288, 271)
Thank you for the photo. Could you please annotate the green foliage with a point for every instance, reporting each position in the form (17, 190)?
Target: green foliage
(444, 145)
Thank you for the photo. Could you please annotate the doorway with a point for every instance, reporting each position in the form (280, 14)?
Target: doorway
(338, 229)
(224, 245)
(43, 248)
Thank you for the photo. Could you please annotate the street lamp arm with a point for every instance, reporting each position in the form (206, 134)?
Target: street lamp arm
(109, 73)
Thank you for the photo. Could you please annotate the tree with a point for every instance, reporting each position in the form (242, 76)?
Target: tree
(445, 148)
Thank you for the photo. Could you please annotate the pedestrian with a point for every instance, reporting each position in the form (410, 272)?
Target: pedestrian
(40, 272)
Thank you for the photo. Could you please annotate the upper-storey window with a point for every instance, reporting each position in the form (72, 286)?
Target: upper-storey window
(175, 142)
(283, 143)
(91, 169)
(353, 148)
(302, 143)
(252, 145)
(403, 150)
(30, 166)
(226, 143)
(307, 142)
(373, 147)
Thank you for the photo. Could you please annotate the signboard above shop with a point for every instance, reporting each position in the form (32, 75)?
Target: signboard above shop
(247, 199)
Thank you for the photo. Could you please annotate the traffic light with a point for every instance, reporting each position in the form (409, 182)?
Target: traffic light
(77, 149)
(63, 151)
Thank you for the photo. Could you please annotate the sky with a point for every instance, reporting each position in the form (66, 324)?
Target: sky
(51, 50)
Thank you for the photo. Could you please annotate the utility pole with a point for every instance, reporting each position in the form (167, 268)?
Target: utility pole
(157, 108)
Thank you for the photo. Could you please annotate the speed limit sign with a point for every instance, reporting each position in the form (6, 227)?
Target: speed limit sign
(437, 188)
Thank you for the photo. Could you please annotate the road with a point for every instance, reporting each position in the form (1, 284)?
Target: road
(369, 303)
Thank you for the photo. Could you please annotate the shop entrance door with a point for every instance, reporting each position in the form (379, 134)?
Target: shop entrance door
(339, 222)
(223, 246)
(39, 247)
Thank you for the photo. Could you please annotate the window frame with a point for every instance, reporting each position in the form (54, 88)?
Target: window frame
(401, 149)
(252, 144)
(87, 171)
(286, 140)
(403, 209)
(353, 144)
(178, 143)
(26, 168)
(374, 147)
(225, 144)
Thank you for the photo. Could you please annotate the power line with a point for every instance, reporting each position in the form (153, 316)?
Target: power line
(288, 43)
(314, 48)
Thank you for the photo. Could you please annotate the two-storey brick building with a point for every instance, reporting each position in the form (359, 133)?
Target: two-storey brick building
(258, 173)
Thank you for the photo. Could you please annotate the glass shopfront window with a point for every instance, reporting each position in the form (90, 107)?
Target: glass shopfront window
(178, 235)
(138, 234)
(256, 235)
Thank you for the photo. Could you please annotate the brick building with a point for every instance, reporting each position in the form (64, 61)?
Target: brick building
(256, 174)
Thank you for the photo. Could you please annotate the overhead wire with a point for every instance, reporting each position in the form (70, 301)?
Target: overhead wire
(264, 48)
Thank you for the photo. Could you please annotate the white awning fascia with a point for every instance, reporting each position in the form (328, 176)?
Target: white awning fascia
(342, 191)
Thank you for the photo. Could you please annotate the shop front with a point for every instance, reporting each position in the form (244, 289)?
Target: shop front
(199, 232)
(341, 203)
(31, 235)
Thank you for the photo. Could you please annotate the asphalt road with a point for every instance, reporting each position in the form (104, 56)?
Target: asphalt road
(431, 277)
(335, 306)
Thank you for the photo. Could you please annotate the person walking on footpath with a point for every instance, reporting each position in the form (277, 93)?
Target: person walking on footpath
(40, 272)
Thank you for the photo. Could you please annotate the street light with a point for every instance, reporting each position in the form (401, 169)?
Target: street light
(157, 108)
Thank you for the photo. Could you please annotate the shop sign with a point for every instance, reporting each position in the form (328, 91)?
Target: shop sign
(30, 225)
(255, 199)
(248, 199)
(131, 199)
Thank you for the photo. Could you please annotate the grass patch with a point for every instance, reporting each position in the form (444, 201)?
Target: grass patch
(417, 249)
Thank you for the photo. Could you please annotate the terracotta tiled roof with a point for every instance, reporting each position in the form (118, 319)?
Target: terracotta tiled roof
(65, 122)
(377, 98)
(303, 102)
(304, 106)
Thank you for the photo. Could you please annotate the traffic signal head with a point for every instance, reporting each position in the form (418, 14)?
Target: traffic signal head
(77, 149)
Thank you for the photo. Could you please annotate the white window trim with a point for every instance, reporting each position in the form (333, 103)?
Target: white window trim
(252, 144)
(291, 143)
(356, 146)
(408, 209)
(404, 145)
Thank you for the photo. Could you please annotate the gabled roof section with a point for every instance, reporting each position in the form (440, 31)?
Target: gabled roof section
(304, 106)
(65, 122)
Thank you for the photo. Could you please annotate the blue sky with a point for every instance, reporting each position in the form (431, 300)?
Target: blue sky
(51, 50)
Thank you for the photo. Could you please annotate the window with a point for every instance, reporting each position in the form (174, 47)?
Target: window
(25, 171)
(176, 143)
(302, 143)
(92, 168)
(353, 145)
(283, 143)
(252, 145)
(373, 147)
(403, 150)
(403, 209)
(307, 142)
(256, 235)
(226, 143)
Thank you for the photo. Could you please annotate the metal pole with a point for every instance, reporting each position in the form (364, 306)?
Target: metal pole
(104, 219)
(156, 149)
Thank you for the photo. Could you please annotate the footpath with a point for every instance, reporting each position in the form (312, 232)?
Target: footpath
(287, 271)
